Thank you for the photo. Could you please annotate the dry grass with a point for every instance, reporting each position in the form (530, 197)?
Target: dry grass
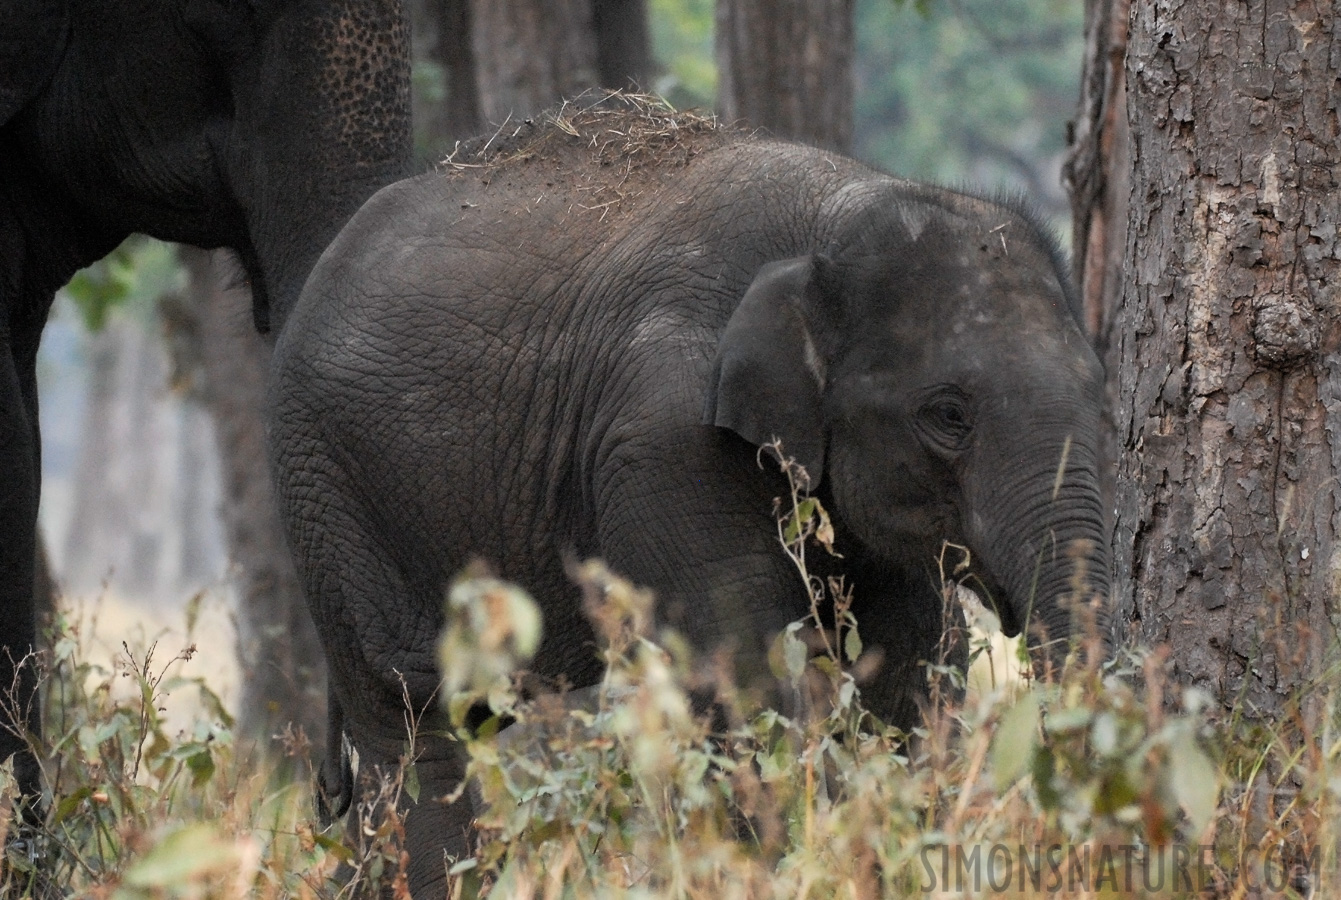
(606, 149)
(615, 127)
(1107, 781)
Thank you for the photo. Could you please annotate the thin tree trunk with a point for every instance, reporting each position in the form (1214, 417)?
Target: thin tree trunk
(1097, 165)
(623, 44)
(45, 589)
(530, 54)
(1226, 335)
(786, 65)
(122, 497)
(1096, 176)
(441, 30)
(284, 673)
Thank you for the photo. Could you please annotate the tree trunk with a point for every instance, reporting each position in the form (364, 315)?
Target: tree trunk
(786, 65)
(124, 479)
(284, 673)
(45, 589)
(623, 44)
(530, 54)
(1226, 337)
(1096, 174)
(1096, 169)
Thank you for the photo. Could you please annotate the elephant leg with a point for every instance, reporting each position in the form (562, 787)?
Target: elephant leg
(902, 617)
(19, 488)
(437, 833)
(379, 629)
(704, 541)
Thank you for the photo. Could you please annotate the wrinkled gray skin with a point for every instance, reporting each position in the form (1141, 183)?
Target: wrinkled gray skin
(492, 364)
(259, 126)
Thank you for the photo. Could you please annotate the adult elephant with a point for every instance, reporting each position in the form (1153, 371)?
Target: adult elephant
(258, 126)
(576, 342)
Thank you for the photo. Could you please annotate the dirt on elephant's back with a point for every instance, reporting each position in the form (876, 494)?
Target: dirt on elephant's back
(611, 145)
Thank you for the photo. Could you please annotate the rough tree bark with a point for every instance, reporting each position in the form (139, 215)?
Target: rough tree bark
(225, 362)
(786, 65)
(1224, 336)
(530, 54)
(1096, 171)
(1096, 175)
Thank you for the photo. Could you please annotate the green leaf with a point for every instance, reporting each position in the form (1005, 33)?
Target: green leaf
(464, 865)
(412, 782)
(1014, 742)
(1196, 783)
(182, 857)
(134, 275)
(1044, 770)
(202, 767)
(846, 691)
(852, 645)
(794, 653)
(800, 517)
(1068, 719)
(334, 847)
(95, 291)
(1104, 734)
(71, 803)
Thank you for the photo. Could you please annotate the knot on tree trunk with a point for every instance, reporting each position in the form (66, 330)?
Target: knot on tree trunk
(1285, 331)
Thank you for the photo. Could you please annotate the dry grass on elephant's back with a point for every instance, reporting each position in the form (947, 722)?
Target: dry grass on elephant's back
(611, 145)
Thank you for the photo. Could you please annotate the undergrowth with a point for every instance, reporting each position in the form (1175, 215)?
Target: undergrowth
(1104, 781)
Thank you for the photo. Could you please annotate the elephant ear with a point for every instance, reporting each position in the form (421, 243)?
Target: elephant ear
(768, 379)
(31, 42)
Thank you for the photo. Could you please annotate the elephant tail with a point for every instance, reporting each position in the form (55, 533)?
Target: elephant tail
(335, 778)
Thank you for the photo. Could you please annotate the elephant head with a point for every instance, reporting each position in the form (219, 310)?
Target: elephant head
(258, 126)
(927, 369)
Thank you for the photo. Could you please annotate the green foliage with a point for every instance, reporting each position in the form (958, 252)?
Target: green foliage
(682, 43)
(952, 91)
(137, 810)
(627, 790)
(133, 277)
(968, 90)
(624, 790)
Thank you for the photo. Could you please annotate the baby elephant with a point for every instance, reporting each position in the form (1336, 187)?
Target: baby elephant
(572, 342)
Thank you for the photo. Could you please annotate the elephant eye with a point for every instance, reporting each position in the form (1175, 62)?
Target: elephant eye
(946, 422)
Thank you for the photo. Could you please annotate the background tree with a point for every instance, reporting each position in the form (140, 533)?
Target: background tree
(221, 362)
(476, 63)
(445, 88)
(529, 54)
(786, 65)
(969, 91)
(1221, 327)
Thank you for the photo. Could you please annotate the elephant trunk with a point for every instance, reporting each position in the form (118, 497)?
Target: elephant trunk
(1042, 536)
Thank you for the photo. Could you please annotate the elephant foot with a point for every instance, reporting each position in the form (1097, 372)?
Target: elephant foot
(26, 843)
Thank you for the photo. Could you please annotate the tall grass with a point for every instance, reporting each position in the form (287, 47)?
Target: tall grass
(1106, 780)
